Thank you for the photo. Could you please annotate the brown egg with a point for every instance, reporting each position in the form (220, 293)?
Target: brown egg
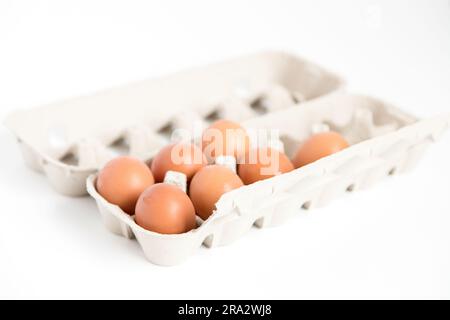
(208, 185)
(225, 137)
(263, 163)
(164, 208)
(122, 180)
(186, 158)
(318, 146)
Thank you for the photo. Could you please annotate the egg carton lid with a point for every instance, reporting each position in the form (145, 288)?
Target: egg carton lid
(70, 139)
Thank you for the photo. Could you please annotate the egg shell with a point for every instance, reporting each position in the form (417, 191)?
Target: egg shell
(165, 209)
(208, 185)
(263, 163)
(122, 180)
(186, 158)
(225, 138)
(318, 146)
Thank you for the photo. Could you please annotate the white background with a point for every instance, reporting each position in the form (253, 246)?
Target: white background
(392, 241)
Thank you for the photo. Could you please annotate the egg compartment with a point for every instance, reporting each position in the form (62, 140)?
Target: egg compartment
(70, 140)
(385, 141)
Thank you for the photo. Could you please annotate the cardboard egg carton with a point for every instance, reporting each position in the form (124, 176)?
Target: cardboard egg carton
(384, 141)
(69, 140)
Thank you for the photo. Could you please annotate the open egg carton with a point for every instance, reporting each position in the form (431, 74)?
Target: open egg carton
(70, 141)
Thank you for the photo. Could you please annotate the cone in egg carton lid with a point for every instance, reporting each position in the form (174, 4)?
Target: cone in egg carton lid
(277, 97)
(240, 107)
(187, 126)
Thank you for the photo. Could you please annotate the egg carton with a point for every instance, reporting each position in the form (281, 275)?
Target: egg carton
(69, 140)
(384, 141)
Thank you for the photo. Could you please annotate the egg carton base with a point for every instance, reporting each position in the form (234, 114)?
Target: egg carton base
(167, 253)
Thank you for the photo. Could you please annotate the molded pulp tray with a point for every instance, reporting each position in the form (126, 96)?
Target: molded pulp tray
(385, 141)
(70, 141)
